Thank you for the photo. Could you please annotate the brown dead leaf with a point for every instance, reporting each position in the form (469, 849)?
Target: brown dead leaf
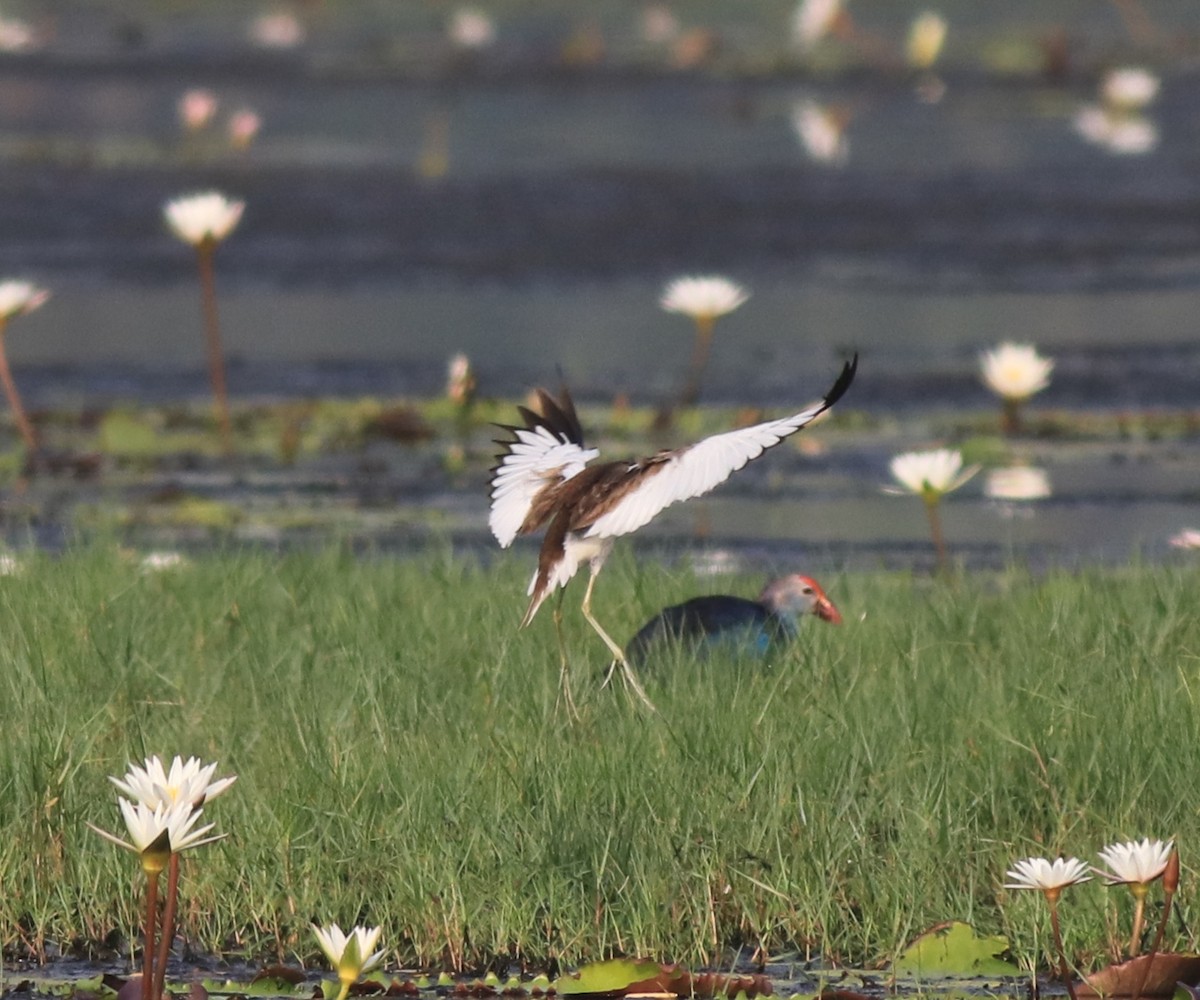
(677, 982)
(131, 989)
(1123, 979)
(284, 973)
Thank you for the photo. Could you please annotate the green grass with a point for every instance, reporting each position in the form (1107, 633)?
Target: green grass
(402, 760)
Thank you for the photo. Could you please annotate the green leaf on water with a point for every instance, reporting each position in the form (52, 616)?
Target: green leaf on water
(123, 433)
(187, 511)
(954, 949)
(268, 986)
(613, 976)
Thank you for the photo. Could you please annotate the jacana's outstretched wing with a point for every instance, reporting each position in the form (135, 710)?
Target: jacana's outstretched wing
(655, 483)
(540, 455)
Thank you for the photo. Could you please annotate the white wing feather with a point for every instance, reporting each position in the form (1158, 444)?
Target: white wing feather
(536, 458)
(696, 470)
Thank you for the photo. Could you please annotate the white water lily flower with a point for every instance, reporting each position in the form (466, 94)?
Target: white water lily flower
(1189, 538)
(1017, 482)
(190, 782)
(812, 21)
(1015, 371)
(147, 828)
(16, 35)
(1116, 131)
(703, 297)
(1129, 88)
(1045, 875)
(1135, 862)
(460, 380)
(20, 297)
(205, 217)
(926, 36)
(196, 108)
(156, 562)
(929, 474)
(821, 131)
(350, 963)
(278, 29)
(471, 28)
(243, 127)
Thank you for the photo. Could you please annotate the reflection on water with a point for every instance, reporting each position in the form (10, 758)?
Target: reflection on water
(527, 215)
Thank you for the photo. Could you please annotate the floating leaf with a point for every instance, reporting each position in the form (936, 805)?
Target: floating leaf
(131, 989)
(954, 949)
(627, 977)
(611, 978)
(280, 974)
(1123, 979)
(123, 433)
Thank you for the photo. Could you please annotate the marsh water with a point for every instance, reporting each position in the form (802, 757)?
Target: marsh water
(405, 203)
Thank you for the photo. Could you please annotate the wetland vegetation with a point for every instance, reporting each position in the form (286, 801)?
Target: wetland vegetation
(401, 758)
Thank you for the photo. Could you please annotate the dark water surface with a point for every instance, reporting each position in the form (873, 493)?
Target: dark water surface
(569, 198)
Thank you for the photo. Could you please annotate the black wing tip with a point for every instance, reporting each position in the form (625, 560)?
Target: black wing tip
(557, 415)
(838, 389)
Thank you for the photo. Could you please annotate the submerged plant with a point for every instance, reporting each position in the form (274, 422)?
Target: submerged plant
(1050, 878)
(16, 299)
(349, 954)
(204, 220)
(931, 475)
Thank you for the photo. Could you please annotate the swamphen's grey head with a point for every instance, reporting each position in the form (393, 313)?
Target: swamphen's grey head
(796, 595)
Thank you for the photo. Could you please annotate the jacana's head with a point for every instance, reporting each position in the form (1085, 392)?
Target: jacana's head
(796, 595)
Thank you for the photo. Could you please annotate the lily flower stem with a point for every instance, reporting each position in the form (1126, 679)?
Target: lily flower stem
(1170, 884)
(14, 397)
(1010, 421)
(1139, 916)
(700, 351)
(212, 332)
(168, 928)
(1064, 969)
(148, 936)
(935, 530)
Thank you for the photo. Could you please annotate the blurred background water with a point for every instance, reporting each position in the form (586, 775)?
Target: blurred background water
(525, 197)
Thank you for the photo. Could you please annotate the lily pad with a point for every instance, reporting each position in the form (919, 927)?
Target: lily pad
(627, 977)
(955, 949)
(611, 978)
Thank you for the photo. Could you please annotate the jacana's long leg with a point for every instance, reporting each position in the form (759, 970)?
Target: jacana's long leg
(564, 678)
(617, 651)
